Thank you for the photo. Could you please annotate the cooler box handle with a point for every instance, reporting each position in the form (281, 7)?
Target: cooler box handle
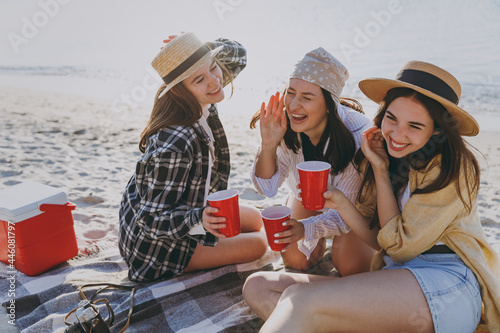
(57, 208)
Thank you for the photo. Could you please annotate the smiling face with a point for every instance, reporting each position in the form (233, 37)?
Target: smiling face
(306, 108)
(407, 126)
(206, 84)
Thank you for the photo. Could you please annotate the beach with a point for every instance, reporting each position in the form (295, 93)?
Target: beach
(78, 145)
(82, 146)
(77, 87)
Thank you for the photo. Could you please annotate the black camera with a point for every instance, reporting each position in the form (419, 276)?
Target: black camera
(89, 320)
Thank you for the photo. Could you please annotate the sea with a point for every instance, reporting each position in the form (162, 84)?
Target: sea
(372, 38)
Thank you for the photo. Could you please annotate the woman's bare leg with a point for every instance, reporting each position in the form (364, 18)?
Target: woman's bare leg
(382, 301)
(250, 219)
(350, 255)
(262, 290)
(249, 245)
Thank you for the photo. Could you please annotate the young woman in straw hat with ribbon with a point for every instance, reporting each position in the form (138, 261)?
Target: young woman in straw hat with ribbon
(166, 228)
(418, 207)
(318, 125)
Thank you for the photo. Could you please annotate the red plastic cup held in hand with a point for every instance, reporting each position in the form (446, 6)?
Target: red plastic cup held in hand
(313, 183)
(273, 218)
(227, 202)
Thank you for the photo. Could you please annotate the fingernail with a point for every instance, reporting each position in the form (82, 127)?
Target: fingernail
(276, 235)
(283, 224)
(276, 241)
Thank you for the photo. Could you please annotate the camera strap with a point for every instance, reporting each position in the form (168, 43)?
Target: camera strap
(111, 315)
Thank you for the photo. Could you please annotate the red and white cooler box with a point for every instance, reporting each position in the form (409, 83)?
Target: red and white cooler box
(36, 227)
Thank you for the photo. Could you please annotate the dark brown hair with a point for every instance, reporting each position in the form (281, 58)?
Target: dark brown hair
(456, 157)
(177, 107)
(342, 146)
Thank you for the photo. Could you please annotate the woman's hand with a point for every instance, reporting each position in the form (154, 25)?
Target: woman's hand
(334, 199)
(292, 235)
(212, 223)
(372, 145)
(272, 121)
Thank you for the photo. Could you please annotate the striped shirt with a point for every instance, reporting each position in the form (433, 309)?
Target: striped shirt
(329, 223)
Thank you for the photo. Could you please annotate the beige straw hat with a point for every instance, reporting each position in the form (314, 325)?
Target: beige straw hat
(181, 57)
(430, 81)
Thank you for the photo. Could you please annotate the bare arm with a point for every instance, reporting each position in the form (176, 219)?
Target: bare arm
(335, 199)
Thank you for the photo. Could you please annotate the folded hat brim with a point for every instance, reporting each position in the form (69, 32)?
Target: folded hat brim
(190, 71)
(376, 89)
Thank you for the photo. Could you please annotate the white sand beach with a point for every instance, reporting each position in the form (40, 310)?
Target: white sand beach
(76, 144)
(76, 89)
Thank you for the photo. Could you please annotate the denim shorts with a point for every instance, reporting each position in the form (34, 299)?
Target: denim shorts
(450, 287)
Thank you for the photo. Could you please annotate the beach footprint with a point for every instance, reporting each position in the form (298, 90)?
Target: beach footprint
(89, 200)
(95, 234)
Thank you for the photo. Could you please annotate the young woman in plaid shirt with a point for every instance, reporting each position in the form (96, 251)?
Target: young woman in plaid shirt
(166, 227)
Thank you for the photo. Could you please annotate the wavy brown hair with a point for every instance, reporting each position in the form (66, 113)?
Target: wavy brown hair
(177, 107)
(342, 147)
(456, 157)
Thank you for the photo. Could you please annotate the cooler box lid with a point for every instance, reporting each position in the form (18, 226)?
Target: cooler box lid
(22, 201)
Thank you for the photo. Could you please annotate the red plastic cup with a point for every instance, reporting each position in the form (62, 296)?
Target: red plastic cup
(313, 183)
(227, 202)
(273, 218)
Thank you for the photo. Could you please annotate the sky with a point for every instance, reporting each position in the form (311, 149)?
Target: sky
(128, 32)
(371, 37)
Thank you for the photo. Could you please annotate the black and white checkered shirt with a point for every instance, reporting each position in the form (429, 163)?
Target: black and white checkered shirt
(164, 198)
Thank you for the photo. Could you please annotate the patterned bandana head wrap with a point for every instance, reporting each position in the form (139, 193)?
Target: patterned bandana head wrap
(323, 69)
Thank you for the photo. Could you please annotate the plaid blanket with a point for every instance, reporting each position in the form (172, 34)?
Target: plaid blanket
(208, 301)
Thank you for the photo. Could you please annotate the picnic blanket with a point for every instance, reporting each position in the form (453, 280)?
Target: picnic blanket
(208, 301)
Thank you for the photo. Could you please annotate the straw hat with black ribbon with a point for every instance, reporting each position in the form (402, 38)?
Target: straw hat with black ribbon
(180, 58)
(431, 81)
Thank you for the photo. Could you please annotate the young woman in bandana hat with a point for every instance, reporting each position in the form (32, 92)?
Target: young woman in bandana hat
(435, 271)
(312, 122)
(166, 227)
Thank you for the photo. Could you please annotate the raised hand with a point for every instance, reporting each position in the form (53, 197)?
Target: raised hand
(273, 121)
(372, 145)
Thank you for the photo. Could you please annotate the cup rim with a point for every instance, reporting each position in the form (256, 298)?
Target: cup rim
(278, 209)
(313, 166)
(222, 195)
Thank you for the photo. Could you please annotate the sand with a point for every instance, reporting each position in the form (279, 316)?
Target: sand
(78, 144)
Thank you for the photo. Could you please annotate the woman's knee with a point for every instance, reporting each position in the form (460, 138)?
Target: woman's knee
(250, 218)
(260, 244)
(297, 262)
(255, 285)
(348, 266)
(295, 259)
(350, 255)
(251, 245)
